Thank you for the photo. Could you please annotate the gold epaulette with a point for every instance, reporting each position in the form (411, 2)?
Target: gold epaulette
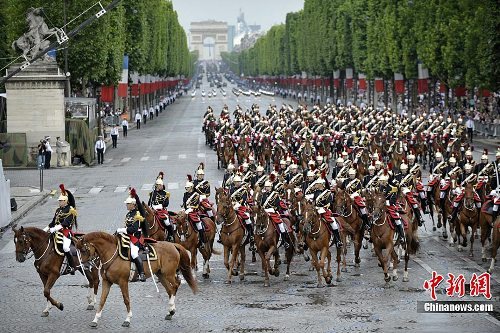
(394, 189)
(72, 211)
(167, 195)
(138, 217)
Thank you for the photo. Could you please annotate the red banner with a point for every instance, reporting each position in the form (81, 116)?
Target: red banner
(460, 91)
(485, 93)
(107, 93)
(442, 87)
(122, 89)
(349, 83)
(423, 86)
(362, 84)
(379, 86)
(336, 83)
(135, 90)
(399, 86)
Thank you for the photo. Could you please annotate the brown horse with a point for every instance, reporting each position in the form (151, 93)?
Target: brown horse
(228, 150)
(266, 242)
(115, 270)
(485, 223)
(266, 152)
(296, 202)
(155, 229)
(232, 234)
(467, 217)
(187, 236)
(317, 238)
(495, 244)
(48, 263)
(242, 150)
(397, 153)
(382, 234)
(306, 153)
(344, 206)
(442, 214)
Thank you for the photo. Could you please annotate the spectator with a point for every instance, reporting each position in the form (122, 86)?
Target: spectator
(48, 152)
(138, 120)
(125, 127)
(469, 124)
(41, 155)
(100, 149)
(114, 135)
(145, 115)
(59, 151)
(151, 113)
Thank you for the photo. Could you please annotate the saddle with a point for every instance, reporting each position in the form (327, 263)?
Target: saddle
(124, 248)
(57, 237)
(393, 225)
(203, 224)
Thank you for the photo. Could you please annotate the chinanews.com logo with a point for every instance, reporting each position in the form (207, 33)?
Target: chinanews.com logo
(456, 287)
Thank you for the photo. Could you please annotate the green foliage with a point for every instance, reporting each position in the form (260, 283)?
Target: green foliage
(458, 41)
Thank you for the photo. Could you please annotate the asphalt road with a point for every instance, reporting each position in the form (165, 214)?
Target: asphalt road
(173, 143)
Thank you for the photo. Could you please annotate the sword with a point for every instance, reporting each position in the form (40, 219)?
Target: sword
(152, 276)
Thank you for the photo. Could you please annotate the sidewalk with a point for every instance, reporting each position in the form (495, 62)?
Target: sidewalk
(27, 198)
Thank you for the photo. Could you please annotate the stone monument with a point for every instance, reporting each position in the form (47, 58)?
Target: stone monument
(35, 96)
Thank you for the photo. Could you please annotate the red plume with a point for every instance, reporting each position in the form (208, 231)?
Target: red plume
(248, 159)
(313, 167)
(63, 190)
(354, 165)
(160, 174)
(277, 167)
(373, 163)
(323, 174)
(385, 172)
(405, 161)
(295, 161)
(190, 178)
(241, 168)
(485, 152)
(272, 177)
(133, 193)
(389, 166)
(412, 151)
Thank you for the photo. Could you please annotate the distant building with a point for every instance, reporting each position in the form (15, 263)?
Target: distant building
(209, 38)
(246, 35)
(231, 33)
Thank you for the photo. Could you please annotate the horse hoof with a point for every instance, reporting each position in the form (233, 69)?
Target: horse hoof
(471, 254)
(356, 265)
(126, 324)
(434, 228)
(60, 306)
(319, 285)
(93, 324)
(365, 246)
(344, 270)
(379, 265)
(387, 279)
(395, 278)
(266, 284)
(445, 236)
(338, 279)
(90, 307)
(45, 314)
(328, 280)
(287, 277)
(242, 277)
(476, 236)
(278, 262)
(168, 317)
(235, 273)
(405, 279)
(205, 276)
(277, 273)
(227, 282)
(483, 259)
(307, 258)
(439, 225)
(311, 269)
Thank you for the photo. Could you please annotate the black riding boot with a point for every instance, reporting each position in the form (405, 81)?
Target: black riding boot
(423, 202)
(140, 268)
(441, 203)
(285, 240)
(336, 236)
(250, 237)
(202, 241)
(71, 265)
(401, 233)
(420, 219)
(454, 214)
(170, 233)
(494, 217)
(366, 223)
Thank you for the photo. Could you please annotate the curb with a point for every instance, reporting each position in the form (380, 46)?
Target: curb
(24, 211)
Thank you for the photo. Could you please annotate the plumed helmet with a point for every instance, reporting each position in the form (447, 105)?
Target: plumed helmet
(411, 157)
(159, 181)
(453, 160)
(403, 166)
(371, 167)
(468, 167)
(260, 168)
(236, 178)
(352, 172)
(310, 174)
(439, 155)
(129, 200)
(340, 160)
(230, 167)
(200, 172)
(268, 184)
(468, 153)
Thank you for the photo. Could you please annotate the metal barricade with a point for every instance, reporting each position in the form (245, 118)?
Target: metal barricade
(488, 130)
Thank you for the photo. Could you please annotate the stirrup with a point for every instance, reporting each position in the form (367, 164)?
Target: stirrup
(142, 277)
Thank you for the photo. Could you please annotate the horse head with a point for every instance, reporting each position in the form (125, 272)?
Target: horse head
(311, 218)
(342, 202)
(224, 208)
(86, 248)
(23, 243)
(261, 219)
(376, 205)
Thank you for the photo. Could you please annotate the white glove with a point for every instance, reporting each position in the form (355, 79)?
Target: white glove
(237, 205)
(189, 210)
(121, 230)
(52, 230)
(46, 229)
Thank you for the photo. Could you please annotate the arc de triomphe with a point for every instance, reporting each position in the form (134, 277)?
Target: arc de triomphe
(200, 31)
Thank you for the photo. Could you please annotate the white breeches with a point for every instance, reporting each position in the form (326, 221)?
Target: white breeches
(334, 225)
(247, 221)
(66, 244)
(495, 208)
(363, 211)
(422, 194)
(167, 221)
(398, 222)
(199, 226)
(282, 227)
(442, 194)
(210, 213)
(134, 251)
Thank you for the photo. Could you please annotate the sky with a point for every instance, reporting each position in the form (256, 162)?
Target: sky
(264, 12)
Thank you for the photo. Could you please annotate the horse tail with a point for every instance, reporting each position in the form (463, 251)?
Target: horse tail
(413, 245)
(185, 267)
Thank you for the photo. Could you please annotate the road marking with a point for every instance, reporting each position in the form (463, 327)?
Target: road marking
(34, 190)
(173, 186)
(120, 189)
(147, 187)
(95, 190)
(144, 158)
(201, 155)
(423, 264)
(125, 159)
(163, 157)
(182, 156)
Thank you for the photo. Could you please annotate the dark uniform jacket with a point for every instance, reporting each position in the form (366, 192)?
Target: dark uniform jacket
(159, 198)
(64, 216)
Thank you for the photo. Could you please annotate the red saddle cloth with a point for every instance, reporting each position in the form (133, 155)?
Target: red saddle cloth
(161, 214)
(392, 224)
(276, 219)
(359, 201)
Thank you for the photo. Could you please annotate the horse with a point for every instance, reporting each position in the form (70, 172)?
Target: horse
(48, 263)
(382, 234)
(296, 202)
(187, 236)
(266, 242)
(317, 238)
(495, 244)
(153, 224)
(467, 217)
(266, 153)
(397, 153)
(363, 163)
(115, 270)
(279, 152)
(242, 150)
(485, 223)
(434, 200)
(228, 151)
(306, 153)
(344, 206)
(232, 234)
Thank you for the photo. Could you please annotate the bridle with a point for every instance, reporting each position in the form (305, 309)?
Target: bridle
(30, 249)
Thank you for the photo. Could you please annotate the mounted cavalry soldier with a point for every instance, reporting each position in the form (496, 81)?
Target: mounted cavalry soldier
(353, 187)
(370, 179)
(467, 177)
(239, 197)
(64, 219)
(190, 203)
(322, 200)
(202, 187)
(270, 201)
(259, 178)
(390, 193)
(228, 176)
(159, 200)
(405, 181)
(133, 228)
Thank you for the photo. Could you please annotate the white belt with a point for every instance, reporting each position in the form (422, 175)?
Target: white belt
(159, 206)
(269, 210)
(321, 210)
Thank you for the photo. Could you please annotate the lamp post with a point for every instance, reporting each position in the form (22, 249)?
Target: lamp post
(98, 115)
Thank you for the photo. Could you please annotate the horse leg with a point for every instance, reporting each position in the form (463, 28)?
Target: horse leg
(472, 237)
(126, 299)
(234, 256)
(193, 259)
(226, 256)
(339, 259)
(315, 264)
(49, 283)
(395, 261)
(106, 286)
(383, 262)
(462, 234)
(242, 262)
(91, 296)
(358, 238)
(321, 264)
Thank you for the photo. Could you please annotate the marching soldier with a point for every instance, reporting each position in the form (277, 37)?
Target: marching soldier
(239, 196)
(159, 200)
(322, 200)
(190, 202)
(64, 219)
(133, 228)
(353, 187)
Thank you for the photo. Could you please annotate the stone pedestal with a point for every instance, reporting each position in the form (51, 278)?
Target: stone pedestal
(35, 103)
